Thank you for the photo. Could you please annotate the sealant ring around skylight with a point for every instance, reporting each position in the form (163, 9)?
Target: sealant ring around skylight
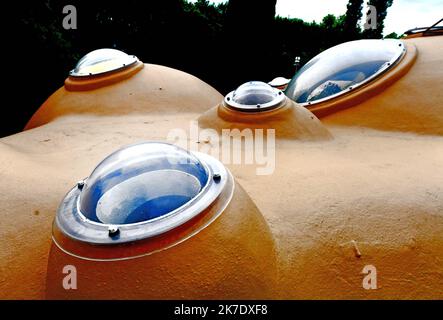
(161, 185)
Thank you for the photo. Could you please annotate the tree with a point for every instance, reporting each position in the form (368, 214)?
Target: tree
(382, 11)
(248, 42)
(353, 15)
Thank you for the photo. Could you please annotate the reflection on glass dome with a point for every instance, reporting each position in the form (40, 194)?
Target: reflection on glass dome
(102, 61)
(140, 192)
(342, 68)
(255, 96)
(141, 183)
(279, 83)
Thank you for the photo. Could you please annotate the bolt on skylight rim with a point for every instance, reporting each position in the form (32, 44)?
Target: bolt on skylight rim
(101, 62)
(259, 96)
(72, 223)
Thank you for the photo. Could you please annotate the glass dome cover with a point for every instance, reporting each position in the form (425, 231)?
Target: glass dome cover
(102, 61)
(254, 96)
(142, 190)
(343, 68)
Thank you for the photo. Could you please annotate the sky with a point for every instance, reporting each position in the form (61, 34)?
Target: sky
(402, 15)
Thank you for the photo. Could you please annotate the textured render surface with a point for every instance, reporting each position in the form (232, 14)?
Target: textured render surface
(376, 185)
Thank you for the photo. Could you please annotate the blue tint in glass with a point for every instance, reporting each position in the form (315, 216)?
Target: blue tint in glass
(140, 183)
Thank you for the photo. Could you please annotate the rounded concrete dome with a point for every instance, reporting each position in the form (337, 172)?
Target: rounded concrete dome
(115, 90)
(141, 183)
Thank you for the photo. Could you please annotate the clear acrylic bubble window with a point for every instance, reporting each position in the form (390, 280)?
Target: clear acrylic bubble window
(342, 68)
(254, 96)
(141, 183)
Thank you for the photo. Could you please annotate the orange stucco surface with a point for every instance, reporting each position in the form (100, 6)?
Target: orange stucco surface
(366, 179)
